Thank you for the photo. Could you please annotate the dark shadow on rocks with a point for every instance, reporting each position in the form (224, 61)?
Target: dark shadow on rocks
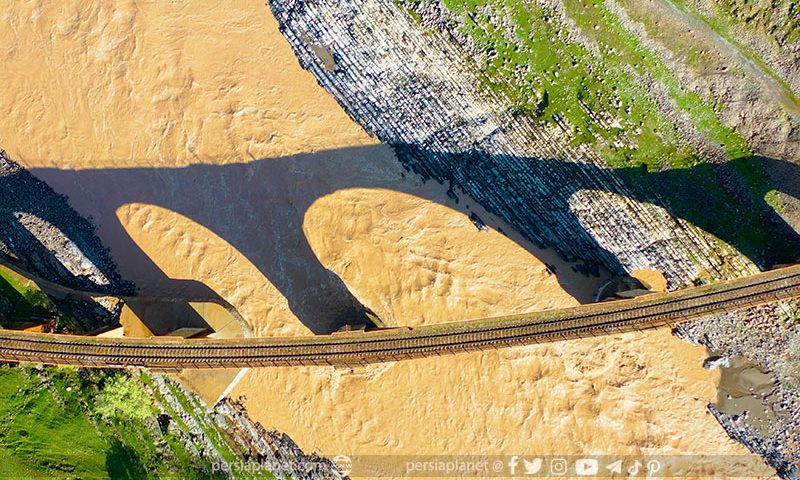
(259, 207)
(35, 221)
(726, 200)
(37, 225)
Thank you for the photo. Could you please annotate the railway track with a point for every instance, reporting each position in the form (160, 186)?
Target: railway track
(395, 344)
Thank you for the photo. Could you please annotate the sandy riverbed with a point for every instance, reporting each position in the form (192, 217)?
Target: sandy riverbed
(190, 134)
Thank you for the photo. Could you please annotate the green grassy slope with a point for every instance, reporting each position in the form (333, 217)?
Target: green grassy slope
(20, 302)
(599, 93)
(65, 423)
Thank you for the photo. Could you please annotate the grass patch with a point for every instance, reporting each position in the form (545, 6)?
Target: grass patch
(531, 58)
(66, 423)
(45, 437)
(598, 94)
(626, 49)
(19, 302)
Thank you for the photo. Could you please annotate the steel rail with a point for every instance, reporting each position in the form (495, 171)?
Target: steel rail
(386, 345)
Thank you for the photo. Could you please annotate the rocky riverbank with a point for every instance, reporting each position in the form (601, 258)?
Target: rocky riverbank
(224, 438)
(44, 235)
(275, 452)
(769, 424)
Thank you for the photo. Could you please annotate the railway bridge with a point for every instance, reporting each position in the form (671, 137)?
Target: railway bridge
(387, 345)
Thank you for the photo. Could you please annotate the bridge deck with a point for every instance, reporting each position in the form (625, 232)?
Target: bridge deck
(403, 343)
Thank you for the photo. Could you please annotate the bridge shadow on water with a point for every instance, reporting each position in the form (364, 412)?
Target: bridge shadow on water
(259, 208)
(727, 200)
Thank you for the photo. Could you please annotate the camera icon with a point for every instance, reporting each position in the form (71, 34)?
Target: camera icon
(558, 466)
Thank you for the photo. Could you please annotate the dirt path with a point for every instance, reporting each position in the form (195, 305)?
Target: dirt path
(775, 89)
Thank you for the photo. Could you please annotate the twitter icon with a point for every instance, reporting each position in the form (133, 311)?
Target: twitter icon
(532, 468)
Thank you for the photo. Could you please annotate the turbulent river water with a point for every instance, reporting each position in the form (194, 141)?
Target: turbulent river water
(131, 109)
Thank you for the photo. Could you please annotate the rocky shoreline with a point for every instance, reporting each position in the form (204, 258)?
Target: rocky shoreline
(421, 97)
(772, 348)
(257, 451)
(270, 448)
(43, 234)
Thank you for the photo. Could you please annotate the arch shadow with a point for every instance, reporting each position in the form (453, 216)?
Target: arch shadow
(271, 196)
